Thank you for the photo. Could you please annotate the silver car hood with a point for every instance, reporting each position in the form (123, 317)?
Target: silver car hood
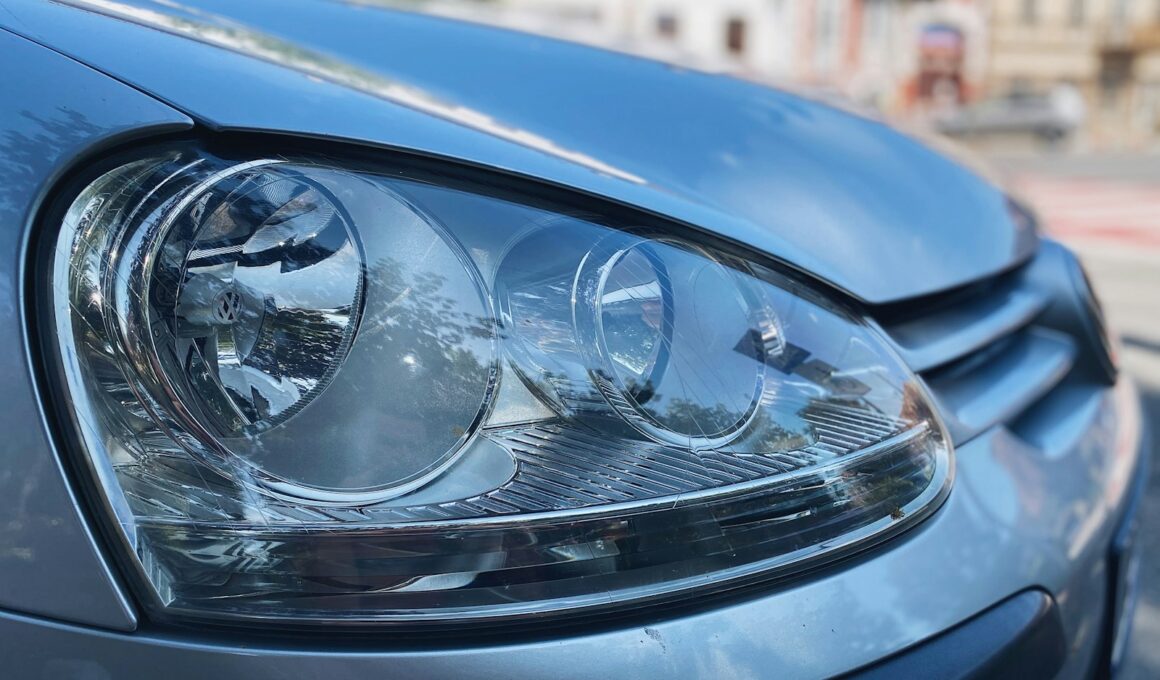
(845, 199)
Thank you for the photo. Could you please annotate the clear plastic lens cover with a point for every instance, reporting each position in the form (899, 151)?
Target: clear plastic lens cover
(319, 391)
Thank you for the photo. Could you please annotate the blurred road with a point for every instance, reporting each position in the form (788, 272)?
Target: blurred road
(1108, 209)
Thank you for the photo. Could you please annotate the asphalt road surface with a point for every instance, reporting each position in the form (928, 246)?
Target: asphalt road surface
(1108, 209)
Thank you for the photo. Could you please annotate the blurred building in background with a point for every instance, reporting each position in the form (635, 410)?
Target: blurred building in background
(1084, 69)
(896, 55)
(1109, 50)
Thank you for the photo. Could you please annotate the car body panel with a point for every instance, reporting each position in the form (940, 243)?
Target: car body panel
(1015, 520)
(49, 563)
(796, 179)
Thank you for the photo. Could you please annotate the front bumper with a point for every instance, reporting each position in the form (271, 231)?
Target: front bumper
(1019, 519)
(1024, 636)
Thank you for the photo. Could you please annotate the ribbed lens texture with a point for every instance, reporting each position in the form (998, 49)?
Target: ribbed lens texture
(322, 393)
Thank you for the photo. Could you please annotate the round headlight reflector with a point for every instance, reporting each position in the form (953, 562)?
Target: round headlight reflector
(267, 297)
(243, 294)
(699, 327)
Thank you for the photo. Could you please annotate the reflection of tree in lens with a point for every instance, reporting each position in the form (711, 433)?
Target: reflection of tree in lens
(417, 379)
(424, 335)
(762, 435)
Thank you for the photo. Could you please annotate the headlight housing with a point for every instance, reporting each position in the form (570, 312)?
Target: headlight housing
(338, 392)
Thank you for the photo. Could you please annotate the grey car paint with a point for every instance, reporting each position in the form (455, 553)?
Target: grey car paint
(1018, 517)
(49, 564)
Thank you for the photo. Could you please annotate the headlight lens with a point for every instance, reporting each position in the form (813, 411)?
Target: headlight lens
(322, 392)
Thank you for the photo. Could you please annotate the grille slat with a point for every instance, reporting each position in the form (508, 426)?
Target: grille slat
(980, 394)
(986, 352)
(946, 335)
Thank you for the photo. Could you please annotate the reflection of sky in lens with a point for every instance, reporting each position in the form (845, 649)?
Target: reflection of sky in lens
(631, 316)
(324, 285)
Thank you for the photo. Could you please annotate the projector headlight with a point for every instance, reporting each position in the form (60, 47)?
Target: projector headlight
(332, 393)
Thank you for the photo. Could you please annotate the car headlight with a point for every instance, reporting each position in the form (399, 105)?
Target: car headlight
(336, 392)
